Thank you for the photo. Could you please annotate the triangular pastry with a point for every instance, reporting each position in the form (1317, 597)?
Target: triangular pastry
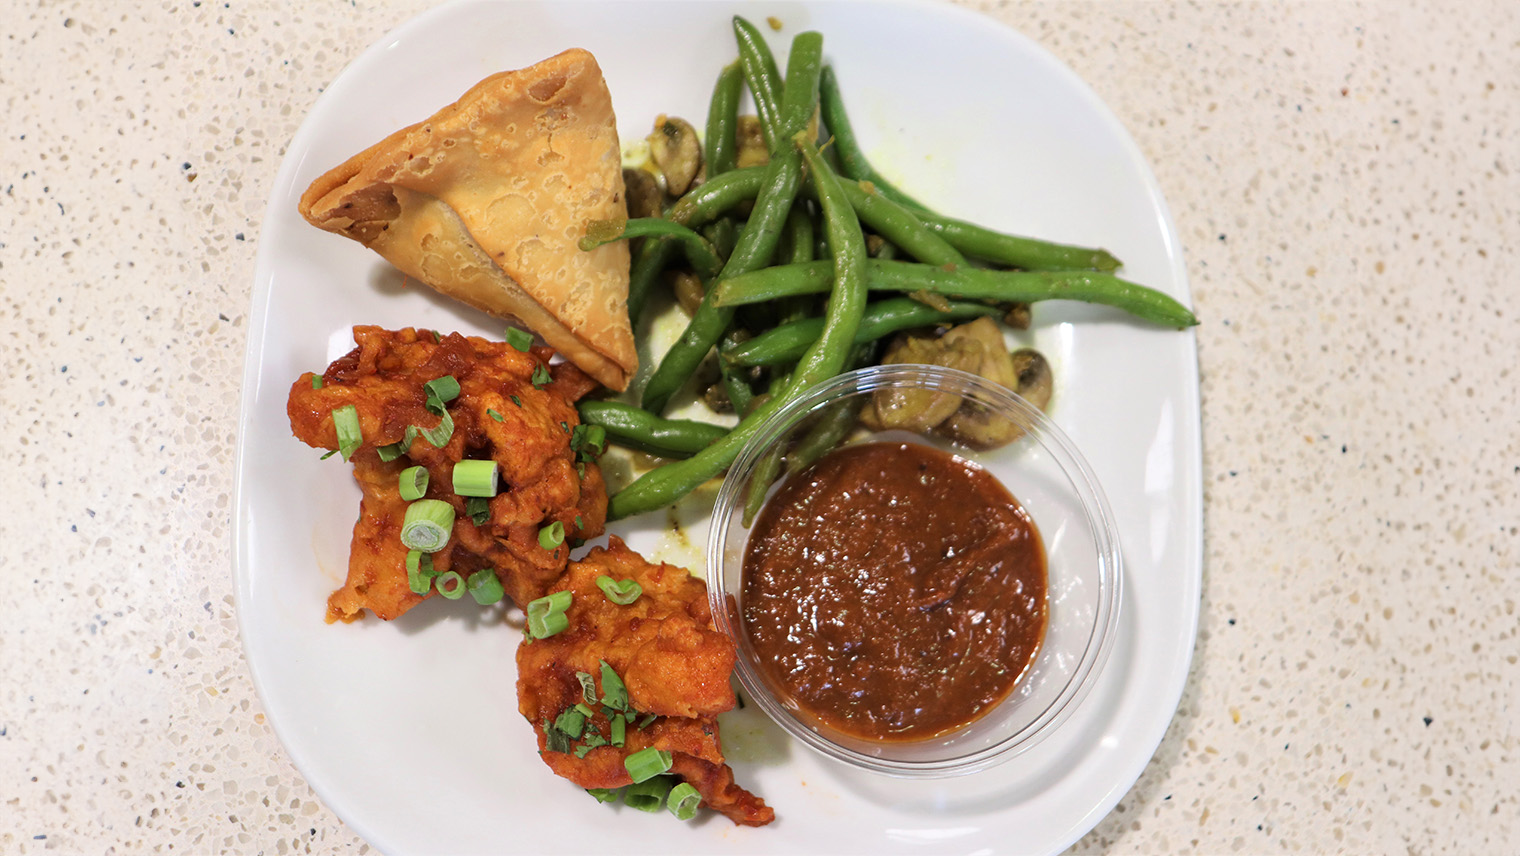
(486, 202)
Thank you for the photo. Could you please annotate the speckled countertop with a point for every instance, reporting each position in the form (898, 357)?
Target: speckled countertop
(1343, 177)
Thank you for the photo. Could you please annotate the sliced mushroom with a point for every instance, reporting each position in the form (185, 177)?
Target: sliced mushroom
(920, 410)
(676, 151)
(752, 148)
(644, 197)
(1026, 373)
(1036, 381)
(688, 289)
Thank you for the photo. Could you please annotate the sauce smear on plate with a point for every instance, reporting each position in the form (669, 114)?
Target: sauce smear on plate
(894, 592)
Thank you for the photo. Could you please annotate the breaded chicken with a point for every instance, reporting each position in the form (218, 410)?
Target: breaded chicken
(500, 414)
(675, 668)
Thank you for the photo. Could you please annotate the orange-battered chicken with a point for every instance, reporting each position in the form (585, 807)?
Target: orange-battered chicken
(512, 407)
(675, 668)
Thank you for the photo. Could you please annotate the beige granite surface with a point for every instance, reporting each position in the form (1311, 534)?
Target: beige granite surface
(1343, 177)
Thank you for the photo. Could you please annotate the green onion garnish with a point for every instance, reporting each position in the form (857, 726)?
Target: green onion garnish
(646, 720)
(479, 510)
(316, 381)
(551, 536)
(546, 615)
(328, 454)
(620, 592)
(475, 478)
(619, 730)
(541, 377)
(441, 391)
(419, 572)
(485, 587)
(414, 482)
(614, 693)
(588, 744)
(346, 423)
(522, 340)
(517, 401)
(645, 764)
(588, 686)
(683, 801)
(450, 584)
(588, 441)
(395, 450)
(427, 525)
(554, 739)
(495, 414)
(603, 795)
(439, 434)
(572, 722)
(648, 795)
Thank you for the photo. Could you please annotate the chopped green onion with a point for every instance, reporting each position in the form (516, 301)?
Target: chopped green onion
(485, 587)
(588, 441)
(427, 525)
(645, 764)
(495, 414)
(620, 592)
(401, 447)
(619, 730)
(572, 722)
(603, 795)
(522, 340)
(546, 615)
(648, 795)
(578, 523)
(551, 536)
(437, 338)
(439, 434)
(614, 693)
(475, 478)
(316, 381)
(419, 572)
(441, 391)
(517, 401)
(646, 720)
(684, 801)
(414, 482)
(479, 510)
(450, 584)
(541, 377)
(346, 423)
(585, 709)
(328, 454)
(588, 686)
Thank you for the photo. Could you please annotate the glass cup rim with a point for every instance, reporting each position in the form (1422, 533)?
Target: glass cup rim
(1094, 503)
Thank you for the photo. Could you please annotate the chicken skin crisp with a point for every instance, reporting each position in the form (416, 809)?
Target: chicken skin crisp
(500, 414)
(674, 665)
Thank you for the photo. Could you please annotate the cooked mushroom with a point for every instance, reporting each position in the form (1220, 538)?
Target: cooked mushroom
(688, 290)
(1026, 373)
(920, 410)
(752, 148)
(644, 197)
(676, 151)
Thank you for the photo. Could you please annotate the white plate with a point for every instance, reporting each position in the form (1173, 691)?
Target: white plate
(409, 730)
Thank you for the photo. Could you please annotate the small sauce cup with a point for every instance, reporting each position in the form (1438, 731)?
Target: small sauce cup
(1049, 478)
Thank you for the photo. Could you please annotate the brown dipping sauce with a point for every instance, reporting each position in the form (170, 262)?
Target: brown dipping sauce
(894, 591)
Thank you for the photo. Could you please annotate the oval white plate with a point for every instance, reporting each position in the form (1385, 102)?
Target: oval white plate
(409, 730)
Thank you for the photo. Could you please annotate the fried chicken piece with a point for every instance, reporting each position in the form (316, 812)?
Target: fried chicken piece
(674, 665)
(500, 414)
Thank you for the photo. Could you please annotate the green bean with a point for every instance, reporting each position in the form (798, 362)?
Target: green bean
(740, 395)
(723, 121)
(852, 160)
(1015, 251)
(723, 234)
(835, 423)
(639, 429)
(653, 257)
(822, 358)
(764, 79)
(717, 196)
(1004, 286)
(701, 254)
(757, 244)
(784, 344)
(898, 225)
